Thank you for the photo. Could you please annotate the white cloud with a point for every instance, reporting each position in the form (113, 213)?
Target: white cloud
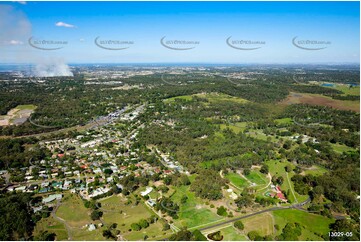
(16, 42)
(62, 24)
(21, 2)
(11, 42)
(14, 25)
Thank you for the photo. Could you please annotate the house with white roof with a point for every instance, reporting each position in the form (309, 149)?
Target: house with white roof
(147, 191)
(52, 197)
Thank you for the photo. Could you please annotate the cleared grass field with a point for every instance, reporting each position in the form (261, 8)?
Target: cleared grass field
(86, 235)
(29, 106)
(220, 97)
(194, 212)
(258, 134)
(284, 121)
(276, 167)
(313, 225)
(340, 148)
(315, 170)
(237, 180)
(52, 226)
(347, 90)
(192, 177)
(185, 97)
(211, 97)
(257, 177)
(262, 223)
(154, 231)
(208, 164)
(232, 234)
(236, 127)
(17, 115)
(72, 210)
(115, 210)
(321, 100)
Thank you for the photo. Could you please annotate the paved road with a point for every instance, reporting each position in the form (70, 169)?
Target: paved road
(256, 213)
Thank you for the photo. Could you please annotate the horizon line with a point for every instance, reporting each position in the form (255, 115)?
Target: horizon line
(198, 63)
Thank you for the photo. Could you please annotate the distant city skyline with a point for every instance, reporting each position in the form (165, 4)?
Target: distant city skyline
(180, 32)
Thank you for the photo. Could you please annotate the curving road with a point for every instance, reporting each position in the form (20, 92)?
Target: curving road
(256, 213)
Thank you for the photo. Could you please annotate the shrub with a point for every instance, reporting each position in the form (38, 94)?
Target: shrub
(239, 225)
(222, 211)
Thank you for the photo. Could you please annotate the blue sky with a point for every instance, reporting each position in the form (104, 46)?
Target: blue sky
(209, 23)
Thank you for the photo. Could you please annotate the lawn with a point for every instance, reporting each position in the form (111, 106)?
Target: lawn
(52, 226)
(262, 223)
(257, 177)
(237, 180)
(232, 234)
(153, 194)
(194, 212)
(313, 225)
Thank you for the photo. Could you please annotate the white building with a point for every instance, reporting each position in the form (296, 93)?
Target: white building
(52, 198)
(99, 191)
(147, 191)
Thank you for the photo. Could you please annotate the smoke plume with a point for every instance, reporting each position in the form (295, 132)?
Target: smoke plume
(15, 31)
(52, 67)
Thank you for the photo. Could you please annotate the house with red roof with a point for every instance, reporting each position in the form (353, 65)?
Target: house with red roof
(60, 155)
(280, 194)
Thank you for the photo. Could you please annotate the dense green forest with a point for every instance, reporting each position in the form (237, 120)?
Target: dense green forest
(16, 217)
